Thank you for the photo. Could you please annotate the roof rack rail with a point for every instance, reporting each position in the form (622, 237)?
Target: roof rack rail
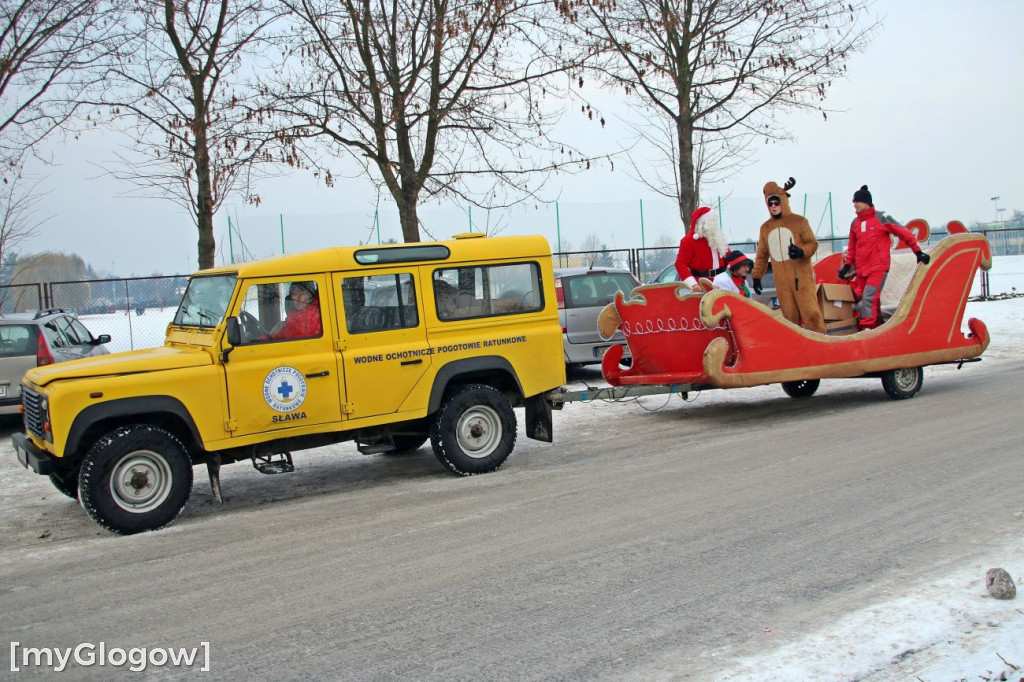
(43, 312)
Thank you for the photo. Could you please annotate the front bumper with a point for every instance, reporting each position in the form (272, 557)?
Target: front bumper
(31, 457)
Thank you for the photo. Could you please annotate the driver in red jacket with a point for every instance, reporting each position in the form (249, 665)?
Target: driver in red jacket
(304, 319)
(867, 257)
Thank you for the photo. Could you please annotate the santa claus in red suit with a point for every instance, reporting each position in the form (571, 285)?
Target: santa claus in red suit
(702, 251)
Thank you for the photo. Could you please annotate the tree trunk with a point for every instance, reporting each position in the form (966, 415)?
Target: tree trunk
(687, 186)
(407, 206)
(204, 187)
(410, 223)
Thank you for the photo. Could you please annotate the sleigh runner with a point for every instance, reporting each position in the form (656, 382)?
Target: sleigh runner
(720, 339)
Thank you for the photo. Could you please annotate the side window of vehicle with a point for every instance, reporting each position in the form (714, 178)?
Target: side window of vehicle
(70, 333)
(379, 302)
(83, 334)
(280, 311)
(55, 336)
(483, 291)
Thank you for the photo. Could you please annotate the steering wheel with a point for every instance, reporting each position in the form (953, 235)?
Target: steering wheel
(252, 330)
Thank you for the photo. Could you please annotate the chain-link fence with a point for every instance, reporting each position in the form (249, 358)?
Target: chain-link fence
(135, 311)
(21, 298)
(1005, 278)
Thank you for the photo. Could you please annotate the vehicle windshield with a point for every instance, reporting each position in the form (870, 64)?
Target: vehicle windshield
(205, 301)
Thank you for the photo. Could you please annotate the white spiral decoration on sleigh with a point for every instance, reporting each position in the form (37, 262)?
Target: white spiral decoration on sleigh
(669, 325)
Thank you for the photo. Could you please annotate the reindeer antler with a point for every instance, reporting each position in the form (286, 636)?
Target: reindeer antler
(789, 184)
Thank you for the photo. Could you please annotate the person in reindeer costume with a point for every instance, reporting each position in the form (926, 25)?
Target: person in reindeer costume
(702, 251)
(788, 240)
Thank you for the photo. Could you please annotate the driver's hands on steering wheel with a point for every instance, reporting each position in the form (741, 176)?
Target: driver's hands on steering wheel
(252, 330)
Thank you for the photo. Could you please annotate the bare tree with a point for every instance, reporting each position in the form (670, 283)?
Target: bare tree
(180, 84)
(434, 97)
(19, 216)
(48, 51)
(719, 72)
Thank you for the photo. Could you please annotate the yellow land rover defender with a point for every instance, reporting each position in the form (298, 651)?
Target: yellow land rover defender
(383, 345)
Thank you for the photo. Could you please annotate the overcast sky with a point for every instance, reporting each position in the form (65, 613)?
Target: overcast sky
(929, 118)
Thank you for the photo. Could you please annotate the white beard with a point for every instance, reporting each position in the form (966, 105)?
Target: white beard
(709, 229)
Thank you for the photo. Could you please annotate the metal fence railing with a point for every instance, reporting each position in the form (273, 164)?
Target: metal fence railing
(1005, 278)
(21, 298)
(135, 311)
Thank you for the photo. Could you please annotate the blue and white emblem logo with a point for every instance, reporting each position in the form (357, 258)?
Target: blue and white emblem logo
(284, 389)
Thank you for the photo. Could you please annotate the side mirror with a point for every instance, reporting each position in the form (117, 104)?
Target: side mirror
(101, 339)
(232, 331)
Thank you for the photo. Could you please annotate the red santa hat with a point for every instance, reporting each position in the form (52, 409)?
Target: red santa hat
(700, 215)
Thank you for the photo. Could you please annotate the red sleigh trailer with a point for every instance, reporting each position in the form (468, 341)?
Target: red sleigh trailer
(720, 339)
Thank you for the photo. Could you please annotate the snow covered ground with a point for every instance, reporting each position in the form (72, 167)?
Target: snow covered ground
(934, 628)
(939, 629)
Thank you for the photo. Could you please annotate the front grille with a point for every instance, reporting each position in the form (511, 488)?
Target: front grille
(33, 411)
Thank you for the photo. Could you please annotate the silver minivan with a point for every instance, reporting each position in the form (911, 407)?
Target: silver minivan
(582, 294)
(28, 340)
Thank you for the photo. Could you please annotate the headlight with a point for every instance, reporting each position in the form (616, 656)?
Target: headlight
(44, 409)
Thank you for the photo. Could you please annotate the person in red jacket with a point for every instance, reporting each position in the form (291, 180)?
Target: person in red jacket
(867, 257)
(702, 251)
(304, 319)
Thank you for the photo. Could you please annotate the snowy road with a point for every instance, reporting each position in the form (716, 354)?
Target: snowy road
(643, 545)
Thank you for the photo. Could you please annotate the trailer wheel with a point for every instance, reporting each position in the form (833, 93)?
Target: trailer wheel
(66, 482)
(904, 383)
(475, 430)
(801, 389)
(135, 478)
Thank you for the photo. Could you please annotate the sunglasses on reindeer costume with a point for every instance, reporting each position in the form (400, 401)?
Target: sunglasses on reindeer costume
(774, 201)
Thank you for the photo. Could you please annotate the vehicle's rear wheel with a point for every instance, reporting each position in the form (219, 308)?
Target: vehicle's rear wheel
(904, 383)
(475, 430)
(66, 482)
(135, 478)
(801, 389)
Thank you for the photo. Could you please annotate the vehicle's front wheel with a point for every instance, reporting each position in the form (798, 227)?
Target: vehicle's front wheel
(475, 430)
(135, 478)
(801, 389)
(904, 383)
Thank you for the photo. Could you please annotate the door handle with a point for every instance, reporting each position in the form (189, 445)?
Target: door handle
(318, 374)
(412, 362)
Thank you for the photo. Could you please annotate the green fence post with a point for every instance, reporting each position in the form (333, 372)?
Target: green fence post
(231, 242)
(831, 222)
(805, 204)
(643, 241)
(721, 222)
(282, 233)
(558, 228)
(376, 223)
(471, 217)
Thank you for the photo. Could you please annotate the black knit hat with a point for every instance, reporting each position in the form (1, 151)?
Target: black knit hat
(735, 259)
(863, 195)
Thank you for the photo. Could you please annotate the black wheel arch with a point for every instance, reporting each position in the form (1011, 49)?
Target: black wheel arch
(160, 410)
(492, 370)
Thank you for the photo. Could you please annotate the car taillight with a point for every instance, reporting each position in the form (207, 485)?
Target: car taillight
(559, 294)
(43, 355)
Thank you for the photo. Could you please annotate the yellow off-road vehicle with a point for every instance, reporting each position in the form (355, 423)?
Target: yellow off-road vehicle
(384, 345)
